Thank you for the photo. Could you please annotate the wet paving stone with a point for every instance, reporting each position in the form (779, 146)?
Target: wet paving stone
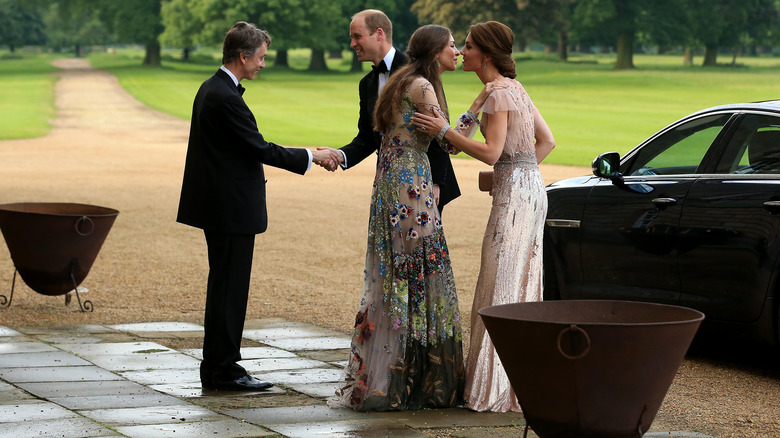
(275, 333)
(278, 364)
(56, 374)
(61, 339)
(446, 418)
(78, 427)
(247, 353)
(85, 389)
(328, 355)
(9, 394)
(114, 348)
(358, 428)
(24, 347)
(163, 376)
(152, 415)
(5, 331)
(314, 375)
(317, 390)
(194, 389)
(116, 401)
(54, 358)
(158, 327)
(298, 414)
(32, 411)
(318, 343)
(223, 429)
(146, 361)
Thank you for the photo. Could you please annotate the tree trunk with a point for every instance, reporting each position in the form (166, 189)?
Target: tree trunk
(625, 50)
(282, 59)
(185, 55)
(688, 56)
(78, 51)
(563, 45)
(356, 64)
(335, 54)
(152, 56)
(710, 55)
(317, 62)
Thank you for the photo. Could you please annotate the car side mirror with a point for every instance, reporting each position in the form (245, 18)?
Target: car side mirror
(607, 165)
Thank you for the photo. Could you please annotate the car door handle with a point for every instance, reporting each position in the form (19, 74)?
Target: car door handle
(773, 207)
(662, 203)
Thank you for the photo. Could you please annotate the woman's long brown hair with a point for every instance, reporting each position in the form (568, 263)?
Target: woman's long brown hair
(424, 46)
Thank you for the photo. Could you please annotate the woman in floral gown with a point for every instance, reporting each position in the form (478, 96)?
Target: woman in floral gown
(406, 350)
(516, 139)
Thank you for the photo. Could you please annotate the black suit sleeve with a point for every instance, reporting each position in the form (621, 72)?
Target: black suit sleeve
(367, 140)
(249, 141)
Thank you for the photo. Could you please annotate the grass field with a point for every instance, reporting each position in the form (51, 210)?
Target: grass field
(590, 107)
(26, 95)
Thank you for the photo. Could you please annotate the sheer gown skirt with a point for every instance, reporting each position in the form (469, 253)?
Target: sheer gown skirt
(406, 346)
(510, 272)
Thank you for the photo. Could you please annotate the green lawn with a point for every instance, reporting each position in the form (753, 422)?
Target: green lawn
(26, 95)
(590, 107)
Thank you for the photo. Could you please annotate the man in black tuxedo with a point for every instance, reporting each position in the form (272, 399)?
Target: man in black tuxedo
(223, 193)
(371, 33)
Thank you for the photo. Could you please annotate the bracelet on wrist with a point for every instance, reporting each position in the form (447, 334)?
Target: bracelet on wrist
(443, 131)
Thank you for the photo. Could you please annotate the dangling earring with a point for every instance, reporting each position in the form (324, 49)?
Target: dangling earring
(484, 66)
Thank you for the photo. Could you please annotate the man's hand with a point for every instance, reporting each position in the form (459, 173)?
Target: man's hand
(328, 158)
(332, 158)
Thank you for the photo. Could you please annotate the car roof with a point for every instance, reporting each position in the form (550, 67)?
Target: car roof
(767, 105)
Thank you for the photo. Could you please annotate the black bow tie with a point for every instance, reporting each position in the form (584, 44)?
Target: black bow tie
(381, 68)
(241, 89)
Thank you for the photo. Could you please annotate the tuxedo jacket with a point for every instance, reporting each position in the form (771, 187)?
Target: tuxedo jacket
(224, 186)
(368, 140)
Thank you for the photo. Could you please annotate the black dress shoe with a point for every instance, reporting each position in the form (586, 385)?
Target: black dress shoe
(245, 383)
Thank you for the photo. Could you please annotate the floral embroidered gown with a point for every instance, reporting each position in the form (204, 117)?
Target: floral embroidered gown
(406, 350)
(511, 265)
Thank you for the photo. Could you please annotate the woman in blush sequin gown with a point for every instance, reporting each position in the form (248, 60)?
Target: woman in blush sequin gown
(406, 350)
(516, 140)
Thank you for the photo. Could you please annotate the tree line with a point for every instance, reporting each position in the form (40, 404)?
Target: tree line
(622, 26)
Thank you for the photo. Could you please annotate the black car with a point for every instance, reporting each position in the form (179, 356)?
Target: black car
(689, 217)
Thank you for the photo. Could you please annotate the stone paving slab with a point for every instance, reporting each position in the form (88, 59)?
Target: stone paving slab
(56, 374)
(247, 353)
(112, 401)
(5, 331)
(158, 327)
(152, 415)
(447, 418)
(113, 348)
(49, 390)
(222, 429)
(316, 343)
(362, 428)
(33, 411)
(24, 347)
(78, 427)
(146, 361)
(54, 358)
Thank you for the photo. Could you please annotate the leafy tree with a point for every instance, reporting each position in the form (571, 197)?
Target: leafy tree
(181, 25)
(133, 21)
(20, 24)
(74, 24)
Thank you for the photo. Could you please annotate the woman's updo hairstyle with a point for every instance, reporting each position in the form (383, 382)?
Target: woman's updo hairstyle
(496, 40)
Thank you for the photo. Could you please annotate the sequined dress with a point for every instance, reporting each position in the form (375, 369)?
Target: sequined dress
(511, 266)
(406, 350)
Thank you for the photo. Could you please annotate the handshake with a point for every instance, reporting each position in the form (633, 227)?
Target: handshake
(328, 158)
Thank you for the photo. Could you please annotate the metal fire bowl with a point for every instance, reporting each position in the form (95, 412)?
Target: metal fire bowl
(583, 368)
(53, 245)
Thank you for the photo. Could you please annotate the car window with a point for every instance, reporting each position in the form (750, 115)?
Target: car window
(679, 150)
(754, 148)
